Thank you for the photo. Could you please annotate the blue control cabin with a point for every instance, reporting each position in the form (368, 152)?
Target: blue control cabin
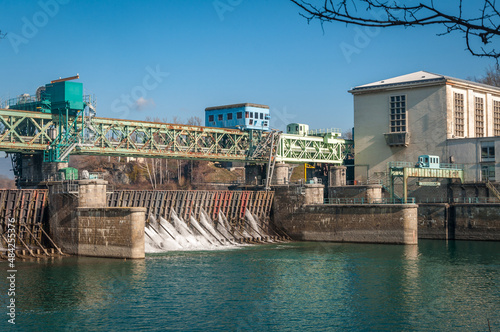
(428, 161)
(240, 116)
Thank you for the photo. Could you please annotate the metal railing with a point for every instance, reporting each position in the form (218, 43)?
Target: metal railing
(320, 132)
(402, 164)
(461, 200)
(362, 200)
(65, 188)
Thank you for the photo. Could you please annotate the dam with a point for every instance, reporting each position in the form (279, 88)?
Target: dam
(61, 210)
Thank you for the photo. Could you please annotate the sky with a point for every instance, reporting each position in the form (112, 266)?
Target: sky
(172, 59)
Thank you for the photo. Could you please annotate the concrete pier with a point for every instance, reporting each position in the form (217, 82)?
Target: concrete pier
(82, 224)
(281, 171)
(300, 213)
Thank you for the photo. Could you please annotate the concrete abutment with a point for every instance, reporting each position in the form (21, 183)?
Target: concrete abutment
(81, 223)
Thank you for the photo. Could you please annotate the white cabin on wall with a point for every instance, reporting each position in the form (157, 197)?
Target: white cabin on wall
(401, 118)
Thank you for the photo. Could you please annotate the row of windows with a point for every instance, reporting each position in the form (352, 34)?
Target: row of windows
(239, 115)
(398, 114)
(459, 115)
(496, 117)
(479, 114)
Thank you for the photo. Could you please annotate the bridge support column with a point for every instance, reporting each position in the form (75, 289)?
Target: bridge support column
(314, 194)
(337, 176)
(254, 174)
(281, 172)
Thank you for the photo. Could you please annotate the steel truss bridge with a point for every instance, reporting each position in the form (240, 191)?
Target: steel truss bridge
(26, 132)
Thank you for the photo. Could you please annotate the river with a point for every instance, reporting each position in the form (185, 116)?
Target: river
(437, 285)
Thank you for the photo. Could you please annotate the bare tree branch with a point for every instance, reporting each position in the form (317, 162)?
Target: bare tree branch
(479, 25)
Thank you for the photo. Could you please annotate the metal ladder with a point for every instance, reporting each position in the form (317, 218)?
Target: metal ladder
(492, 188)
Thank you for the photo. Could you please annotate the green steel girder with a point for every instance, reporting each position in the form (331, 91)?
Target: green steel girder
(310, 149)
(421, 172)
(28, 132)
(25, 131)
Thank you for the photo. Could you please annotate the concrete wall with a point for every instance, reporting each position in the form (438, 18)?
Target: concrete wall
(369, 192)
(433, 221)
(459, 221)
(353, 223)
(105, 232)
(476, 221)
(343, 223)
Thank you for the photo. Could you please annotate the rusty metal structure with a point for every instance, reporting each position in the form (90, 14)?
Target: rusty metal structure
(27, 210)
(186, 203)
(59, 121)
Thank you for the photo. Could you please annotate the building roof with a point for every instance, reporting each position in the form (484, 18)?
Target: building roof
(416, 79)
(235, 106)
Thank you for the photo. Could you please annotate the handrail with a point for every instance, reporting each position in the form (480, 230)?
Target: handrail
(364, 201)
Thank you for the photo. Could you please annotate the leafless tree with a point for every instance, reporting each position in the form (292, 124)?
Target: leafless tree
(478, 21)
(194, 121)
(492, 76)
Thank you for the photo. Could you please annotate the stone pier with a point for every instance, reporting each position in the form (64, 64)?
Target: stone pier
(82, 224)
(300, 212)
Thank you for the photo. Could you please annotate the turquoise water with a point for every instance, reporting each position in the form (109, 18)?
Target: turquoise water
(436, 286)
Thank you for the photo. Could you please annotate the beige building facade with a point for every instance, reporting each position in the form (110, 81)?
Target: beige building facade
(421, 113)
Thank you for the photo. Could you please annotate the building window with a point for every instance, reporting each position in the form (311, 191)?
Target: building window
(488, 172)
(251, 115)
(229, 116)
(496, 117)
(239, 115)
(459, 115)
(398, 114)
(210, 118)
(479, 117)
(220, 117)
(261, 116)
(487, 151)
(250, 122)
(246, 115)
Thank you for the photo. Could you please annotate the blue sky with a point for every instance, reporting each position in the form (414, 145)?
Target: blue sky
(171, 59)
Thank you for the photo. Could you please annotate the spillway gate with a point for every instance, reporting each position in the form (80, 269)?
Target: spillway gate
(186, 203)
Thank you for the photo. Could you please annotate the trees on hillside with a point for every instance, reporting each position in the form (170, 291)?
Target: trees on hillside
(477, 21)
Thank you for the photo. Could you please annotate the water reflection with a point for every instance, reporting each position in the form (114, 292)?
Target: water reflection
(296, 286)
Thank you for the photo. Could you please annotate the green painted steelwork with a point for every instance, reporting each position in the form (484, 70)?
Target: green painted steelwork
(31, 132)
(403, 171)
(295, 149)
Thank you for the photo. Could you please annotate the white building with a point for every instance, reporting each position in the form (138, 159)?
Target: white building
(400, 118)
